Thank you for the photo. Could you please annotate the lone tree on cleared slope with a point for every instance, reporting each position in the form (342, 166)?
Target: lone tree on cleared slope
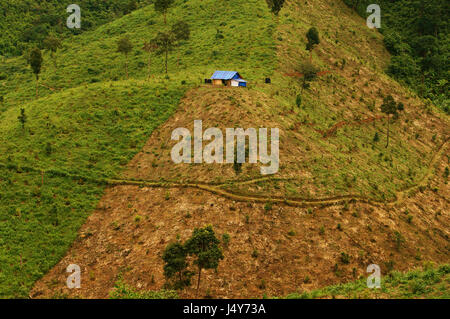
(390, 107)
(175, 268)
(35, 61)
(205, 246)
(125, 46)
(309, 72)
(275, 5)
(163, 6)
(313, 39)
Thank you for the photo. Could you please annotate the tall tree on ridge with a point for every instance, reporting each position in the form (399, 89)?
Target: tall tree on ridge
(205, 246)
(313, 39)
(52, 43)
(390, 107)
(165, 42)
(35, 61)
(149, 47)
(163, 6)
(125, 46)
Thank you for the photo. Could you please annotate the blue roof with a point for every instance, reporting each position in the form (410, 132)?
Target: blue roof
(224, 75)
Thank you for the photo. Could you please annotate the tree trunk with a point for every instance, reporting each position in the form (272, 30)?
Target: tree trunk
(198, 281)
(37, 86)
(126, 65)
(387, 144)
(165, 17)
(149, 64)
(167, 54)
(310, 56)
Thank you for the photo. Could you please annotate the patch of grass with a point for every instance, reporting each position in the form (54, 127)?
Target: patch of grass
(123, 291)
(430, 283)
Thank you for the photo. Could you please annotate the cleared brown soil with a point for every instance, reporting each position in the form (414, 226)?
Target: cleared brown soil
(290, 251)
(288, 242)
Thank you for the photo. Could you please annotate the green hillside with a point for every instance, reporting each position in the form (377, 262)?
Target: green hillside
(26, 23)
(215, 42)
(429, 283)
(91, 118)
(91, 130)
(417, 35)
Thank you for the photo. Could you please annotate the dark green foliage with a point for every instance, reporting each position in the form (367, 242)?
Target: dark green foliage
(165, 43)
(22, 117)
(175, 268)
(27, 24)
(275, 5)
(389, 107)
(313, 38)
(404, 67)
(181, 31)
(309, 72)
(416, 33)
(163, 6)
(298, 100)
(376, 137)
(345, 258)
(204, 246)
(125, 46)
(52, 43)
(36, 61)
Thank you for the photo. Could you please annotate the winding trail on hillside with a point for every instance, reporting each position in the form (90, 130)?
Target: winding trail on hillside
(217, 188)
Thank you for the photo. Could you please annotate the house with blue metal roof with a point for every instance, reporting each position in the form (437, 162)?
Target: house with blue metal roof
(228, 78)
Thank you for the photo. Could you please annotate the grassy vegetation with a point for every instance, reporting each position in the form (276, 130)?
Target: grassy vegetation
(69, 133)
(417, 35)
(93, 57)
(26, 23)
(430, 283)
(122, 291)
(89, 121)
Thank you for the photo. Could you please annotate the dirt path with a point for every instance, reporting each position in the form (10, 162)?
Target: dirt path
(296, 202)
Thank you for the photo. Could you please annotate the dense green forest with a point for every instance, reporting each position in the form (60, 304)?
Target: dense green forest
(26, 23)
(417, 35)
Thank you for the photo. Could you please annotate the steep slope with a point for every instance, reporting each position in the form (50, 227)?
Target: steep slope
(429, 282)
(79, 132)
(375, 204)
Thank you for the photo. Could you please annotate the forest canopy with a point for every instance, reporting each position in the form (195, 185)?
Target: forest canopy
(26, 23)
(417, 35)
